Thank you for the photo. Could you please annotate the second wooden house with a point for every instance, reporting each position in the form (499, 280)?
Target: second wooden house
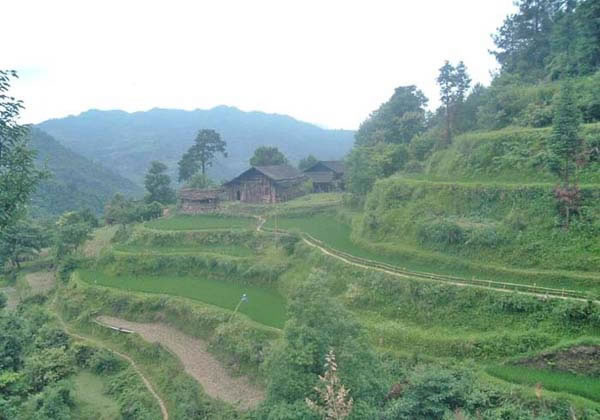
(266, 184)
(327, 175)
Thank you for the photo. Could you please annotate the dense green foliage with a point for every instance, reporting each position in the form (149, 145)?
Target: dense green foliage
(158, 184)
(266, 156)
(18, 175)
(550, 39)
(127, 142)
(514, 225)
(38, 361)
(21, 241)
(123, 210)
(74, 182)
(72, 230)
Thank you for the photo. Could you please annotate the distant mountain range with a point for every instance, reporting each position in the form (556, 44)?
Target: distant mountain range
(76, 182)
(127, 142)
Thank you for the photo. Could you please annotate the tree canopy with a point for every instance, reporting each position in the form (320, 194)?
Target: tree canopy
(201, 154)
(307, 162)
(158, 184)
(18, 174)
(267, 155)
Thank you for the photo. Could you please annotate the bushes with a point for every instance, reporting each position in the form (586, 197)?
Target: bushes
(486, 221)
(443, 232)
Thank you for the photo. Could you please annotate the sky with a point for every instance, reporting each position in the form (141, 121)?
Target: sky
(327, 62)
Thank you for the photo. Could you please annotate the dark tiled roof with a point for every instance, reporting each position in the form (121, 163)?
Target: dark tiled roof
(279, 172)
(275, 172)
(194, 194)
(336, 166)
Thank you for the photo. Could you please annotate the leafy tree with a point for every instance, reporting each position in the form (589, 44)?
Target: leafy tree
(366, 164)
(199, 181)
(123, 210)
(454, 83)
(72, 230)
(19, 241)
(316, 324)
(158, 184)
(202, 154)
(18, 175)
(267, 155)
(13, 332)
(565, 142)
(307, 162)
(396, 121)
(566, 147)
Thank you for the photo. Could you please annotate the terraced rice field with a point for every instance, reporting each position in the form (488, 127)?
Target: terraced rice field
(583, 386)
(201, 222)
(265, 305)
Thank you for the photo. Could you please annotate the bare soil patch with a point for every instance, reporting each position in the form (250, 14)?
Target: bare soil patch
(582, 360)
(40, 282)
(197, 362)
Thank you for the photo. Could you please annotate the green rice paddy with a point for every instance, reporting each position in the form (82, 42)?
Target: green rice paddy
(201, 222)
(231, 250)
(583, 386)
(265, 305)
(337, 234)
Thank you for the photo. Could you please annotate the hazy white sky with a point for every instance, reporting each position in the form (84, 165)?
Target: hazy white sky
(329, 62)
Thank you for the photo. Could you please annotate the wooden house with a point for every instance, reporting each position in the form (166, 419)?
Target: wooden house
(194, 201)
(266, 184)
(327, 175)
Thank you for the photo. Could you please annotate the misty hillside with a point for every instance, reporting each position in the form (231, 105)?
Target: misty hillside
(127, 142)
(76, 182)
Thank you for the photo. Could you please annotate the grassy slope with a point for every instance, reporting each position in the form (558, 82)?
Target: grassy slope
(90, 398)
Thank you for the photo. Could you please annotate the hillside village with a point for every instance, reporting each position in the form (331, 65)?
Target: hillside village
(437, 263)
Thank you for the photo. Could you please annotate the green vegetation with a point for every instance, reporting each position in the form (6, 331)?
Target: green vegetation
(586, 387)
(266, 156)
(201, 222)
(201, 154)
(90, 398)
(158, 184)
(265, 305)
(335, 233)
(75, 183)
(18, 175)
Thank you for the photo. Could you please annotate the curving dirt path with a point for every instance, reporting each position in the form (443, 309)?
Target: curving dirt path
(161, 403)
(507, 289)
(197, 362)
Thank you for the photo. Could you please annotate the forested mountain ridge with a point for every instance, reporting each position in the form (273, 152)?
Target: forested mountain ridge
(127, 142)
(75, 182)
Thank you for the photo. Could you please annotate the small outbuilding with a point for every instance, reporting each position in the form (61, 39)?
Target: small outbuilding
(266, 184)
(194, 201)
(327, 175)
